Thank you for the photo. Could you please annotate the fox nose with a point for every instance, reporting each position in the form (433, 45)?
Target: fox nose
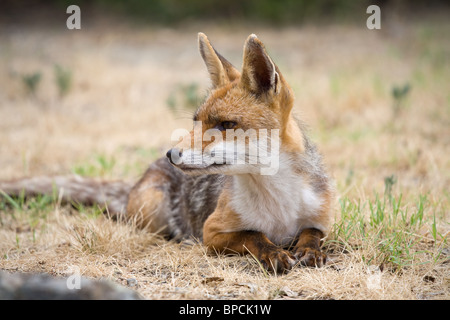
(173, 155)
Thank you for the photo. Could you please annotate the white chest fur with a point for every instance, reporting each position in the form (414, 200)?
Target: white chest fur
(280, 205)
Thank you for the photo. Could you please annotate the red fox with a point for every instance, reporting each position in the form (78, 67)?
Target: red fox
(237, 195)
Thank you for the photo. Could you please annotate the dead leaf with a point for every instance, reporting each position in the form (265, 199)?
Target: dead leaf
(286, 291)
(211, 279)
(253, 287)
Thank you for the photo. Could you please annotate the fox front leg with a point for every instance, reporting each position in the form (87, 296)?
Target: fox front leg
(307, 249)
(271, 257)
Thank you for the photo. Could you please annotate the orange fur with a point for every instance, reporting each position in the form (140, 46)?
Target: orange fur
(257, 103)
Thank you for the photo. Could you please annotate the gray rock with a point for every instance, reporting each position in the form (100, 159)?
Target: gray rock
(29, 286)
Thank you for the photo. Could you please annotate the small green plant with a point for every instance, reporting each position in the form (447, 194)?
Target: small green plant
(185, 96)
(388, 184)
(31, 82)
(17, 241)
(92, 212)
(400, 93)
(191, 96)
(100, 167)
(63, 79)
(349, 177)
(30, 213)
(16, 202)
(171, 101)
(384, 230)
(434, 232)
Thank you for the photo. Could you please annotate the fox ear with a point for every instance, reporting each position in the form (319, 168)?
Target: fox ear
(221, 71)
(259, 73)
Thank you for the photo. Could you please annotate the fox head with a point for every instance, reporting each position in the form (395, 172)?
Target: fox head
(245, 123)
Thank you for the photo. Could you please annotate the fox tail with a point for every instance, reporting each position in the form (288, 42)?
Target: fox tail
(112, 195)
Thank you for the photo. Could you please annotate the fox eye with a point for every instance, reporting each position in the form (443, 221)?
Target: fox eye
(224, 125)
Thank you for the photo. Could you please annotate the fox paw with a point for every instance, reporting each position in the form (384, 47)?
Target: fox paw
(277, 260)
(309, 257)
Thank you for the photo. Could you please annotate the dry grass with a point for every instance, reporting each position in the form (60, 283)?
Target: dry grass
(115, 119)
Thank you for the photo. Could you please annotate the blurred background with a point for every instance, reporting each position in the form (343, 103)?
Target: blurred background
(178, 12)
(104, 100)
